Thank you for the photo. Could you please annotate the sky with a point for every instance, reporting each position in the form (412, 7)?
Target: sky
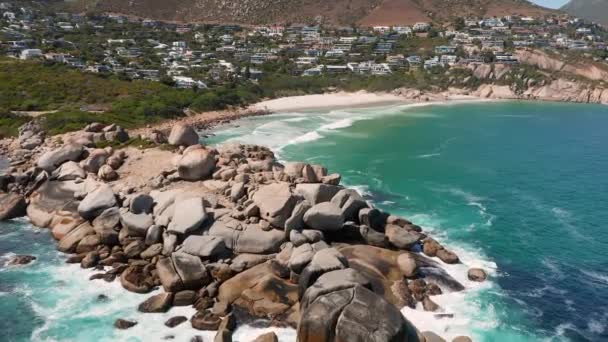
(551, 3)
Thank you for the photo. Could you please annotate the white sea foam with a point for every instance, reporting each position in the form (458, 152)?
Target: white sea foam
(601, 278)
(344, 123)
(430, 155)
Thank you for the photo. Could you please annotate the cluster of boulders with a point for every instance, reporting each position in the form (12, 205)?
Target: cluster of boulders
(240, 236)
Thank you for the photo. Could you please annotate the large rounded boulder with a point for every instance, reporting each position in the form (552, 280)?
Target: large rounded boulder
(196, 164)
(183, 135)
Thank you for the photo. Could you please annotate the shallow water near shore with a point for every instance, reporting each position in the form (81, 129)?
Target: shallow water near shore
(517, 188)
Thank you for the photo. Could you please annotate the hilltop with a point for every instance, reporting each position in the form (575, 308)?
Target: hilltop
(339, 12)
(595, 10)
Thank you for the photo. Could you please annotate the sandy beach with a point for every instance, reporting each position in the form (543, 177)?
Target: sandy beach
(329, 100)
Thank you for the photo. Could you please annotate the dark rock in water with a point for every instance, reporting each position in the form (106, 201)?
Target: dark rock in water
(107, 277)
(268, 337)
(443, 315)
(157, 303)
(477, 274)
(103, 298)
(184, 298)
(134, 280)
(90, 260)
(12, 206)
(205, 321)
(21, 260)
(124, 324)
(197, 338)
(462, 339)
(448, 257)
(74, 259)
(175, 321)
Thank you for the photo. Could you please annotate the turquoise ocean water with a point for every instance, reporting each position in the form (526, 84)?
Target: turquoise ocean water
(520, 189)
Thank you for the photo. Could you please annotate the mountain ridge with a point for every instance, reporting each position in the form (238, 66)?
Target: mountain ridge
(594, 10)
(338, 12)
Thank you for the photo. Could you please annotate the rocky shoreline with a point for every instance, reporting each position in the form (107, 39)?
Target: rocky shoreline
(229, 231)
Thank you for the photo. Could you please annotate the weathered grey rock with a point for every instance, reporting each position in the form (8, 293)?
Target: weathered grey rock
(141, 204)
(136, 224)
(477, 274)
(255, 240)
(401, 238)
(350, 201)
(96, 159)
(276, 202)
(107, 173)
(208, 247)
(49, 161)
(323, 261)
(407, 265)
(237, 191)
(189, 215)
(191, 270)
(354, 314)
(96, 202)
(246, 261)
(90, 260)
(317, 193)
(169, 242)
(183, 135)
(136, 280)
(152, 251)
(184, 298)
(373, 218)
(333, 281)
(88, 244)
(333, 179)
(205, 320)
(169, 278)
(134, 248)
(71, 240)
(105, 225)
(300, 257)
(12, 206)
(448, 257)
(154, 235)
(296, 220)
(196, 165)
(69, 171)
(297, 238)
(324, 216)
(157, 303)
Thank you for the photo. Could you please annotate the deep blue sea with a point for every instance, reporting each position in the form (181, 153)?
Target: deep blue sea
(518, 188)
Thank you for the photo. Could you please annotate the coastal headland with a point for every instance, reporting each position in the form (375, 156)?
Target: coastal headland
(229, 231)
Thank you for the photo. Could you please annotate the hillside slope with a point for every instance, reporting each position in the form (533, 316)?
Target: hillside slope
(595, 10)
(338, 12)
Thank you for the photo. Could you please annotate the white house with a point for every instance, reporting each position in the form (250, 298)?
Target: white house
(30, 53)
(188, 82)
